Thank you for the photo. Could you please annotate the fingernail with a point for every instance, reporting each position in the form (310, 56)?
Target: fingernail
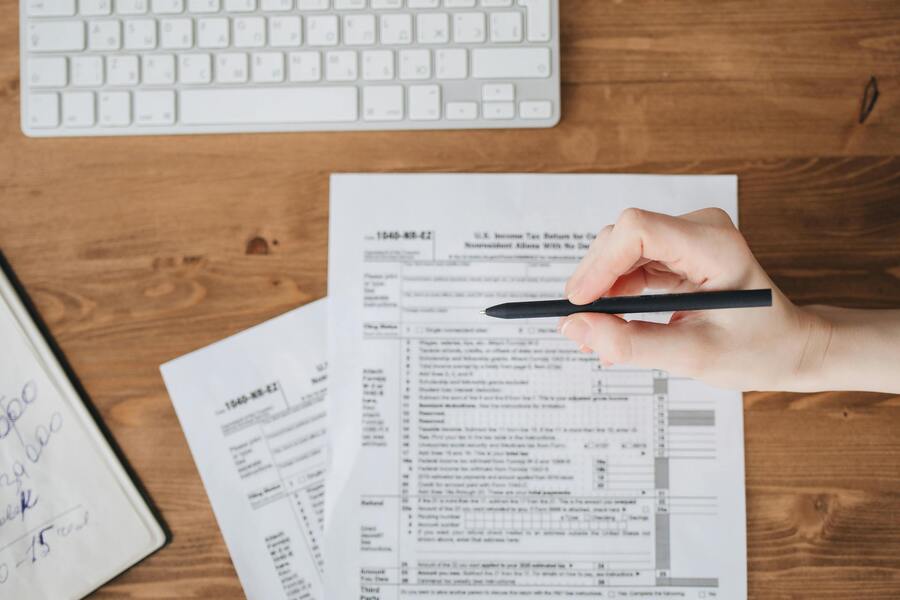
(573, 294)
(560, 323)
(576, 330)
(573, 285)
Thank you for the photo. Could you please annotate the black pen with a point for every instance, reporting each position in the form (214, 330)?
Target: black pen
(634, 304)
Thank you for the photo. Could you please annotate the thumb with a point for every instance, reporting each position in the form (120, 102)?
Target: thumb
(676, 347)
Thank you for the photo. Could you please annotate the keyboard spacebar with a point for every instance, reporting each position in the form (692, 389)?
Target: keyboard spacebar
(268, 105)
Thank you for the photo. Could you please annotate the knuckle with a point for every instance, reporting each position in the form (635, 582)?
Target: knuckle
(601, 237)
(631, 218)
(718, 217)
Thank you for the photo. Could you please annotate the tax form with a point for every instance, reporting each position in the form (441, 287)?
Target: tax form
(481, 458)
(253, 410)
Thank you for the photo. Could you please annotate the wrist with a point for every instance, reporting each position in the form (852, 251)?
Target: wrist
(816, 332)
(849, 349)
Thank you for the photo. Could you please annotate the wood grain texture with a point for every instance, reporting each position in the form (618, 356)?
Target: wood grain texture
(137, 250)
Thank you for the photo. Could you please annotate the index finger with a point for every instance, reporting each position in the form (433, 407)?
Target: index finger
(684, 244)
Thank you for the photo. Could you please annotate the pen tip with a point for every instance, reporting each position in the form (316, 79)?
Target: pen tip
(484, 312)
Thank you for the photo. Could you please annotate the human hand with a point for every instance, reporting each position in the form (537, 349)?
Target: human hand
(781, 347)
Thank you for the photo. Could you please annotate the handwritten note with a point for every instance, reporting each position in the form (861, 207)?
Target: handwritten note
(70, 518)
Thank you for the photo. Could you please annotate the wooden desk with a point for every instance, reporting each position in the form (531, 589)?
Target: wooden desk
(137, 250)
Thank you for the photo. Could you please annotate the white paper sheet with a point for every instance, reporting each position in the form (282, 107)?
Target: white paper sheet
(253, 410)
(480, 458)
(70, 518)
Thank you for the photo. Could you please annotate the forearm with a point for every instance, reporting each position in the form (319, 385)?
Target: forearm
(853, 350)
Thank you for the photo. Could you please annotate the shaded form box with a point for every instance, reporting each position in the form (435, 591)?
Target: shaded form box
(692, 418)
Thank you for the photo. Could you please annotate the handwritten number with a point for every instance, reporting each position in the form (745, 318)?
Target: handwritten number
(15, 408)
(4, 573)
(28, 554)
(45, 547)
(38, 548)
(29, 392)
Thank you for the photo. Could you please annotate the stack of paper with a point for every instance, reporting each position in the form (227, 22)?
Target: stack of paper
(468, 457)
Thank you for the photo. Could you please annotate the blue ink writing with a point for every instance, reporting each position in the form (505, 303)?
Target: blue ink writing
(25, 501)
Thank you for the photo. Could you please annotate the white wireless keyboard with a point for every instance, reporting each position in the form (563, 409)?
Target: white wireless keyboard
(137, 67)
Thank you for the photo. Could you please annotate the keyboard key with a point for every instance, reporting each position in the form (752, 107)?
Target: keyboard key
(359, 30)
(267, 67)
(415, 64)
(58, 36)
(396, 29)
(94, 8)
(154, 107)
(285, 31)
(496, 3)
(425, 102)
(312, 4)
(105, 35)
(177, 34)
(387, 4)
(276, 5)
(231, 67)
(304, 66)
(536, 109)
(499, 110)
(510, 63)
(340, 66)
(240, 5)
(349, 4)
(213, 33)
(158, 69)
(115, 109)
(322, 30)
(78, 109)
(451, 63)
(506, 27)
(462, 111)
(43, 110)
(498, 92)
(538, 17)
(268, 105)
(423, 3)
(131, 7)
(87, 71)
(167, 7)
(204, 6)
(383, 103)
(194, 68)
(469, 28)
(50, 8)
(140, 34)
(122, 70)
(459, 3)
(378, 65)
(249, 32)
(47, 72)
(433, 28)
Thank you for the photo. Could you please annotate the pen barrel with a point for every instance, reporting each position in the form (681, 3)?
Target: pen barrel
(680, 302)
(635, 304)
